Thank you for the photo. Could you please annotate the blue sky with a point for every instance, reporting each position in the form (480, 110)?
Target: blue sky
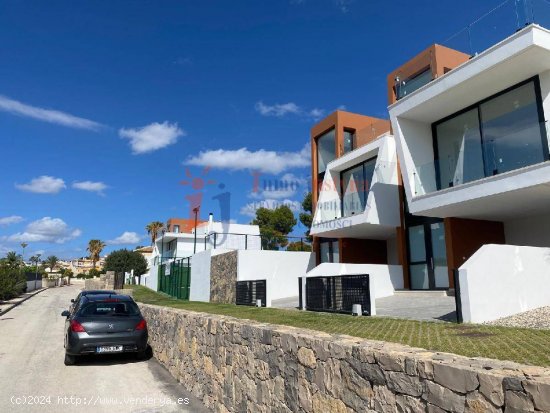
(103, 105)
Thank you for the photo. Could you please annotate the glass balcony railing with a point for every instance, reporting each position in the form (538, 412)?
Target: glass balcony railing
(475, 160)
(333, 205)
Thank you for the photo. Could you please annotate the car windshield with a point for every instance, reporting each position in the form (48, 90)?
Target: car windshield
(109, 308)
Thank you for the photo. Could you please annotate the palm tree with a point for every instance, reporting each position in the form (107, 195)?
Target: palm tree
(153, 229)
(13, 260)
(51, 261)
(95, 246)
(24, 245)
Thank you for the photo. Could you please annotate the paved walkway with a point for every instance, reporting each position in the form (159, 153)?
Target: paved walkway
(287, 303)
(416, 305)
(431, 306)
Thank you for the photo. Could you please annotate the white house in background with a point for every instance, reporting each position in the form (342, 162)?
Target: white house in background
(173, 246)
(473, 150)
(210, 235)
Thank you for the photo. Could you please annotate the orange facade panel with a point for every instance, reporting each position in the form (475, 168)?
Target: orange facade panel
(185, 224)
(365, 129)
(436, 58)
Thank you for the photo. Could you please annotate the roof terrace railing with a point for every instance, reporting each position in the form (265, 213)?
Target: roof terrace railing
(498, 23)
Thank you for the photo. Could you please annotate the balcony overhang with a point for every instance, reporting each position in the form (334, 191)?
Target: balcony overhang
(352, 227)
(515, 194)
(518, 57)
(381, 214)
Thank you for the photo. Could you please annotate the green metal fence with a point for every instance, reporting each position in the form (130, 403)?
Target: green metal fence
(175, 278)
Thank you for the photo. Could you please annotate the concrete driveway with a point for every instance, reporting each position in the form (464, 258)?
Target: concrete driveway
(34, 378)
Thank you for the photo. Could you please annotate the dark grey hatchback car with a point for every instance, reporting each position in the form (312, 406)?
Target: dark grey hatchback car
(104, 324)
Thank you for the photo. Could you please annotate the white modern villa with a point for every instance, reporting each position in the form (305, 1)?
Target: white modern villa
(451, 195)
(473, 148)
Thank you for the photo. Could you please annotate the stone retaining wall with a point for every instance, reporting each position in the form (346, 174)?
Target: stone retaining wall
(243, 366)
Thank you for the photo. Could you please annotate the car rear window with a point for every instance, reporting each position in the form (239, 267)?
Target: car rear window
(109, 308)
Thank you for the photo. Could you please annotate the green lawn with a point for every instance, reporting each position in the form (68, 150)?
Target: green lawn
(516, 344)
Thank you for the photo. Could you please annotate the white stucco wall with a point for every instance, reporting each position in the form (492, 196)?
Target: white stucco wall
(150, 280)
(31, 284)
(200, 274)
(502, 280)
(280, 269)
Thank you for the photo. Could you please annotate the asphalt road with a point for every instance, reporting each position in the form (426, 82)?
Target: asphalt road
(33, 377)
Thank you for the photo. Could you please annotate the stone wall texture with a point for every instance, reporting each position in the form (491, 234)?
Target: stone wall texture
(223, 278)
(235, 365)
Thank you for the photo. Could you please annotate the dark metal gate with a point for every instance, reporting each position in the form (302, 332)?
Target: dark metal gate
(338, 294)
(175, 278)
(250, 291)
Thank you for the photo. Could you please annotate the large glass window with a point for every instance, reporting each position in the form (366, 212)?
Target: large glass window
(326, 150)
(499, 134)
(356, 183)
(405, 87)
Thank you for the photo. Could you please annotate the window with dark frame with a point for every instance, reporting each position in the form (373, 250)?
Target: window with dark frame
(501, 133)
(326, 152)
(329, 250)
(355, 186)
(349, 140)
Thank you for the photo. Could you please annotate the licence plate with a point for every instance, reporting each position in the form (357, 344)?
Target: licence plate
(109, 349)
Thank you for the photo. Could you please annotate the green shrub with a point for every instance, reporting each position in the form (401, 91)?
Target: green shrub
(12, 282)
(94, 272)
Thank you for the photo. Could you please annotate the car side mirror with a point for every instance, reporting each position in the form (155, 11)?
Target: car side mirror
(72, 300)
(65, 313)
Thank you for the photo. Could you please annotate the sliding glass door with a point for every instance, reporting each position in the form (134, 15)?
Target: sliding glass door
(497, 135)
(427, 256)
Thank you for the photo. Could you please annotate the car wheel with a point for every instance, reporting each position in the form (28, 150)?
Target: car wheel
(141, 355)
(69, 360)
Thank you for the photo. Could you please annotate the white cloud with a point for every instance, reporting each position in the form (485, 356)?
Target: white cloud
(43, 185)
(282, 187)
(90, 186)
(151, 137)
(282, 109)
(241, 159)
(12, 219)
(47, 229)
(250, 208)
(126, 238)
(343, 5)
(47, 115)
